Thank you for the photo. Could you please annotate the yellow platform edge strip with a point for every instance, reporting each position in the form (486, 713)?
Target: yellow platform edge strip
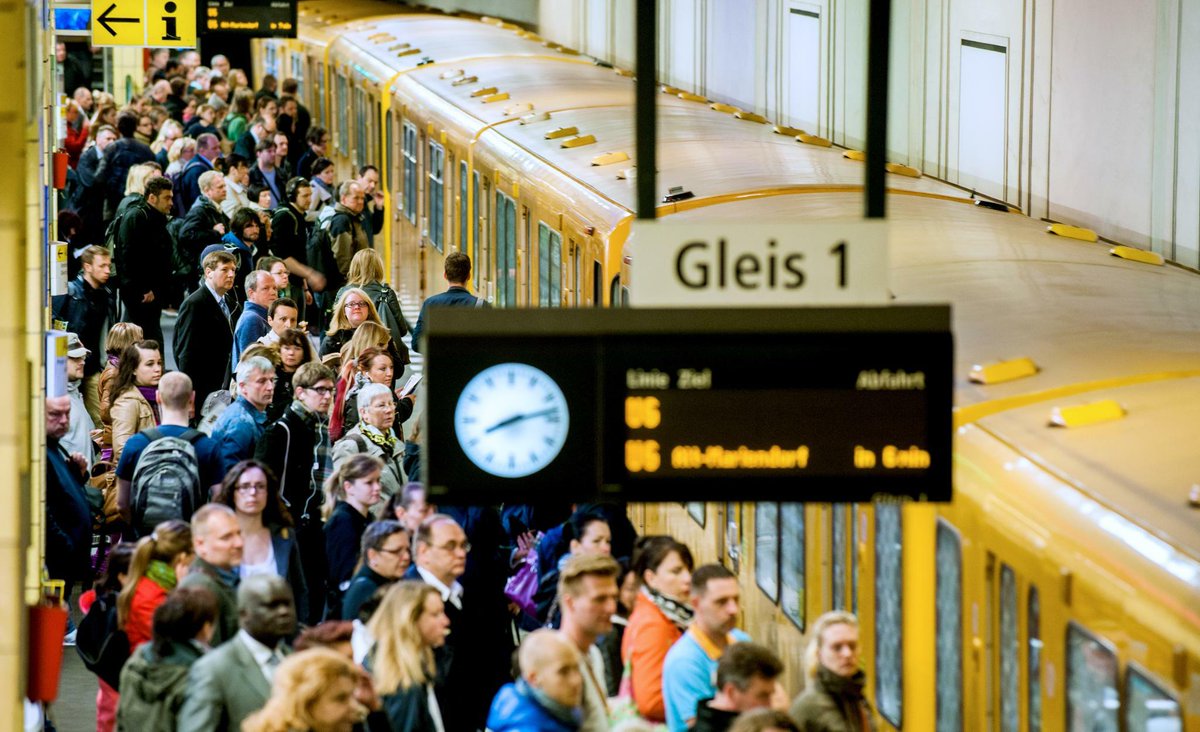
(1083, 415)
(1073, 232)
(1136, 255)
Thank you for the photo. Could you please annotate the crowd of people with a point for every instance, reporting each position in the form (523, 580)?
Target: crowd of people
(257, 550)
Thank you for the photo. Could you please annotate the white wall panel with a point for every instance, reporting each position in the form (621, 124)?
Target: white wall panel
(624, 19)
(597, 31)
(1186, 249)
(684, 25)
(982, 106)
(559, 20)
(802, 67)
(1102, 94)
(731, 62)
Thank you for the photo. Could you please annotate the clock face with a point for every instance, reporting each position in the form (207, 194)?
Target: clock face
(511, 420)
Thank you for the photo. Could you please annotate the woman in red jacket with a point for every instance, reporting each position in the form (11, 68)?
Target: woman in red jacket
(660, 616)
(159, 562)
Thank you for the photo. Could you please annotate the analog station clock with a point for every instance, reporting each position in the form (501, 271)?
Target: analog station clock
(511, 420)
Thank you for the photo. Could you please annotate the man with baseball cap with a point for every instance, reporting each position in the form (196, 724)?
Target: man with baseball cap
(79, 433)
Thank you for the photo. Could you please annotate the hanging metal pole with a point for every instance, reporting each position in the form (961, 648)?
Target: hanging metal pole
(878, 29)
(645, 108)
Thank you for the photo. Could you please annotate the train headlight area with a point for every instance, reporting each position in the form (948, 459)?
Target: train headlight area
(806, 405)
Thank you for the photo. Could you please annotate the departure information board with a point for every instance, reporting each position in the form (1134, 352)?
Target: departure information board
(833, 404)
(254, 18)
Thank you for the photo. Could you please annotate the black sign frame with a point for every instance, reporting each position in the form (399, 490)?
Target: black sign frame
(592, 354)
(263, 12)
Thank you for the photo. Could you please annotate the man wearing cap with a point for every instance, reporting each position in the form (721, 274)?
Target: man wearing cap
(79, 434)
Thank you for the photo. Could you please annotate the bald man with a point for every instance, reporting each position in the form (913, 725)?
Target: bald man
(68, 517)
(547, 696)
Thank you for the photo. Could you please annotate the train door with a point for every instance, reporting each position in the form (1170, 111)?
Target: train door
(525, 258)
(506, 250)
(549, 257)
(482, 256)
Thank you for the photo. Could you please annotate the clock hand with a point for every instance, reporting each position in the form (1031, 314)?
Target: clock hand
(519, 418)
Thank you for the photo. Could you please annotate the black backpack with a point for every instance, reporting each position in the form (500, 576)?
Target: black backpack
(166, 481)
(101, 643)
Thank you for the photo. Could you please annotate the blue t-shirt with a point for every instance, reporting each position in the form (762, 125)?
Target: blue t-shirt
(689, 676)
(207, 454)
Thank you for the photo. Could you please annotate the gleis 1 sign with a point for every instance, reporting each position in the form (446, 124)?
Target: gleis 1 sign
(755, 265)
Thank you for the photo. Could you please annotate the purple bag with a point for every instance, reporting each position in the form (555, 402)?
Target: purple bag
(522, 585)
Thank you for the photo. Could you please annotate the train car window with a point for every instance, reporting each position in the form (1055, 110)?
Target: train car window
(597, 285)
(766, 548)
(388, 141)
(1092, 701)
(889, 620)
(464, 180)
(1010, 672)
(858, 530)
(1034, 672)
(361, 133)
(409, 151)
(696, 509)
(949, 636)
(1149, 706)
(578, 273)
(837, 538)
(506, 249)
(791, 562)
(376, 157)
(298, 69)
(319, 76)
(525, 258)
(343, 106)
(733, 536)
(479, 200)
(435, 199)
(549, 267)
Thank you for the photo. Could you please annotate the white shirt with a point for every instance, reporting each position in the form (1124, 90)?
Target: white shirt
(451, 594)
(235, 198)
(266, 566)
(267, 659)
(361, 641)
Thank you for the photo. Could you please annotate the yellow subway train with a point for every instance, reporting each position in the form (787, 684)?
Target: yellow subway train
(1060, 590)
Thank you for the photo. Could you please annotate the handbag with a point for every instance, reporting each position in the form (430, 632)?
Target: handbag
(101, 643)
(522, 585)
(104, 480)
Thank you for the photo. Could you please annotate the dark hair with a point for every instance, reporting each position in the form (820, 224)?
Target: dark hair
(363, 170)
(315, 134)
(131, 358)
(275, 514)
(242, 218)
(297, 337)
(287, 97)
(378, 533)
(402, 499)
(741, 662)
(584, 516)
(707, 573)
(319, 165)
(234, 160)
(178, 86)
(119, 559)
(283, 302)
(289, 86)
(328, 633)
(158, 185)
(457, 267)
(294, 186)
(651, 551)
(370, 354)
(181, 617)
(253, 191)
(127, 123)
(758, 720)
(264, 144)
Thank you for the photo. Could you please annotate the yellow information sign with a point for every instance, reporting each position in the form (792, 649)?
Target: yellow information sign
(153, 23)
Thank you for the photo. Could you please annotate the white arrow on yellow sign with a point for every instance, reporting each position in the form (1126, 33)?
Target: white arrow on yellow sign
(154, 23)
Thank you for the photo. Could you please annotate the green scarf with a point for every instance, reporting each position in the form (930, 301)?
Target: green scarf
(386, 441)
(162, 573)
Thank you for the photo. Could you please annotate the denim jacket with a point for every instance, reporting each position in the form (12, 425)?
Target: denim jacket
(237, 430)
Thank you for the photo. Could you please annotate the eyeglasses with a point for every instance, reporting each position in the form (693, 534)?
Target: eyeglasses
(398, 551)
(453, 546)
(356, 305)
(251, 488)
(322, 390)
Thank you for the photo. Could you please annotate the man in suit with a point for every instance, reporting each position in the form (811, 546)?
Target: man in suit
(234, 681)
(204, 329)
(477, 654)
(208, 149)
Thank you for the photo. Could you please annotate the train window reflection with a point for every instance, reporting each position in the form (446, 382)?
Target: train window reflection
(1010, 673)
(1092, 701)
(410, 171)
(506, 250)
(549, 267)
(436, 197)
(837, 538)
(889, 621)
(733, 536)
(791, 562)
(696, 509)
(766, 548)
(463, 182)
(949, 640)
(1148, 706)
(1035, 661)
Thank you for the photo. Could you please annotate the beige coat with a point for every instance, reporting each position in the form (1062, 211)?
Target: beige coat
(131, 414)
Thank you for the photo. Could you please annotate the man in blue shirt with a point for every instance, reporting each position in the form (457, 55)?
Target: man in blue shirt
(457, 272)
(689, 671)
(265, 174)
(252, 324)
(176, 400)
(241, 425)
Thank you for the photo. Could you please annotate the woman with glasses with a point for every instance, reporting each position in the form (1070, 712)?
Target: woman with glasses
(375, 365)
(373, 435)
(353, 489)
(385, 559)
(366, 273)
(353, 308)
(268, 536)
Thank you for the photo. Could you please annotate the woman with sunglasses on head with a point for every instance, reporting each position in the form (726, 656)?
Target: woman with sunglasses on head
(270, 545)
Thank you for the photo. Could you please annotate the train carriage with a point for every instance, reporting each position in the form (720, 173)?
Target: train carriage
(1060, 589)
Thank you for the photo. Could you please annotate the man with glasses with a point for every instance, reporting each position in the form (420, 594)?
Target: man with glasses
(241, 425)
(478, 650)
(297, 447)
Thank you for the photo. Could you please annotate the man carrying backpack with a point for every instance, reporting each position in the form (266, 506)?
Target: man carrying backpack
(336, 238)
(168, 471)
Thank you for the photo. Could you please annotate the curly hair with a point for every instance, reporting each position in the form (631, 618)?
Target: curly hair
(300, 682)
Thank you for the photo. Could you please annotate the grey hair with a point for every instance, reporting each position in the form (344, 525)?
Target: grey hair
(250, 365)
(367, 394)
(208, 178)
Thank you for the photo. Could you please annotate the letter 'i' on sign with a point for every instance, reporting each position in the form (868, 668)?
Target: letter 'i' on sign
(156, 23)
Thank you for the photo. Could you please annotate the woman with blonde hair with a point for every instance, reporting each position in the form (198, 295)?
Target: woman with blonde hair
(181, 153)
(120, 337)
(168, 133)
(352, 489)
(366, 336)
(353, 308)
(833, 698)
(106, 114)
(243, 104)
(313, 690)
(408, 625)
(367, 274)
(159, 562)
